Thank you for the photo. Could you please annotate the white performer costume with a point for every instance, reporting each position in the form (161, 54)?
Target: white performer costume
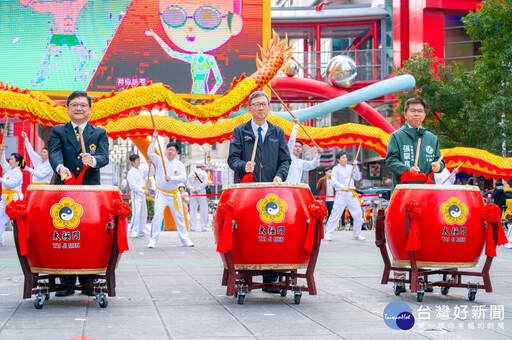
(297, 165)
(11, 191)
(42, 172)
(194, 184)
(440, 177)
(168, 195)
(344, 199)
(136, 181)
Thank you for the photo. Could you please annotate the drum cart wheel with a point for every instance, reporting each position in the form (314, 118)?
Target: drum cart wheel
(472, 294)
(418, 277)
(42, 285)
(296, 297)
(397, 288)
(419, 295)
(287, 277)
(240, 298)
(102, 300)
(40, 299)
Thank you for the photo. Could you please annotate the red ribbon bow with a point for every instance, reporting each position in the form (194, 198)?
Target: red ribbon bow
(409, 176)
(414, 239)
(492, 214)
(17, 210)
(121, 210)
(317, 211)
(225, 212)
(78, 180)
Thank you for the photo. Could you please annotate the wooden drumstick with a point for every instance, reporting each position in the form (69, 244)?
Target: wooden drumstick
(439, 160)
(81, 139)
(5, 129)
(417, 153)
(352, 173)
(454, 171)
(254, 148)
(158, 141)
(290, 112)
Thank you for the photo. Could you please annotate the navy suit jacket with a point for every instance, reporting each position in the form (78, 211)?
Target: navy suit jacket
(63, 148)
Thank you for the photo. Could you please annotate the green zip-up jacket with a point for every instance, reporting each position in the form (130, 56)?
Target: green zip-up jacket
(402, 151)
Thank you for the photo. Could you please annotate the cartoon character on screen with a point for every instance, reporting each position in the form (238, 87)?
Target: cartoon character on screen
(197, 27)
(65, 14)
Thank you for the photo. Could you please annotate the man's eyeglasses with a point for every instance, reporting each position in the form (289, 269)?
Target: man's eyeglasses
(76, 106)
(414, 111)
(206, 17)
(258, 105)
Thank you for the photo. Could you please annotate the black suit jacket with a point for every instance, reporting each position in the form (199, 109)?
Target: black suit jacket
(63, 148)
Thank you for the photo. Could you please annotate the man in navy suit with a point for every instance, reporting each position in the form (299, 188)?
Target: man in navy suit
(65, 151)
(66, 157)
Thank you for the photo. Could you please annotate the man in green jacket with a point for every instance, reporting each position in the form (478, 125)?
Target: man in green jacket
(403, 144)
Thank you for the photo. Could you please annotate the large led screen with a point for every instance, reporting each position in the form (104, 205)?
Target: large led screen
(195, 47)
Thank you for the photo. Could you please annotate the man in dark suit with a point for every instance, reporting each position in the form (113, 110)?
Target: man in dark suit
(65, 151)
(66, 156)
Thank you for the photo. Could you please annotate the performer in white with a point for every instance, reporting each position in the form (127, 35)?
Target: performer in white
(137, 182)
(346, 197)
(167, 192)
(298, 165)
(11, 183)
(42, 172)
(196, 184)
(441, 176)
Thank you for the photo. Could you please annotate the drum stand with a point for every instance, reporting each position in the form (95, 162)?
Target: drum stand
(42, 285)
(240, 282)
(418, 278)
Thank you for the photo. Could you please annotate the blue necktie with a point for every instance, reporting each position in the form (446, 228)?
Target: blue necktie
(260, 137)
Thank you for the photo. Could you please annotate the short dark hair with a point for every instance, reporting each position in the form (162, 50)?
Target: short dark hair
(257, 94)
(133, 158)
(340, 154)
(19, 158)
(175, 145)
(77, 94)
(44, 148)
(414, 100)
(298, 141)
(328, 168)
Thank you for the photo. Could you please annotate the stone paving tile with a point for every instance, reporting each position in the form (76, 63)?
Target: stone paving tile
(176, 292)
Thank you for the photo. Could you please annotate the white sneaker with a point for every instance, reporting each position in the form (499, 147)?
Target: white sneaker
(359, 238)
(508, 245)
(134, 235)
(151, 244)
(327, 238)
(144, 232)
(188, 244)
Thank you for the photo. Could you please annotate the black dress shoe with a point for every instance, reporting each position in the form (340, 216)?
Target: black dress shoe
(88, 293)
(65, 292)
(272, 290)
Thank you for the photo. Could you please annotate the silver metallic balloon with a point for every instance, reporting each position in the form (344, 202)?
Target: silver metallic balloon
(342, 71)
(292, 70)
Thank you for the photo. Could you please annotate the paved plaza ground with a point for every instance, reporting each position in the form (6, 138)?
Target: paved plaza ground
(172, 292)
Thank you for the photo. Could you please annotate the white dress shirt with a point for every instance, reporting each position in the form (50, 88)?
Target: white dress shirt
(42, 171)
(264, 129)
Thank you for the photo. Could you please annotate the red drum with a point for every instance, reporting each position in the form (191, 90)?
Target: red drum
(450, 225)
(271, 225)
(70, 228)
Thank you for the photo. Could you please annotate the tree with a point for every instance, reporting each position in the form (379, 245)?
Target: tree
(470, 109)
